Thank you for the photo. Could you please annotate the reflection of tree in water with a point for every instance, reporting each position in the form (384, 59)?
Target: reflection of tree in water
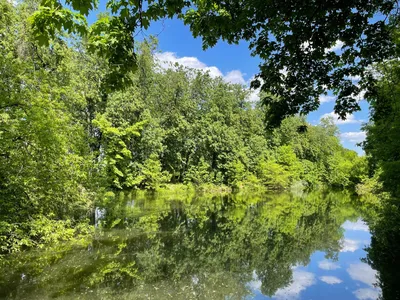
(384, 252)
(205, 248)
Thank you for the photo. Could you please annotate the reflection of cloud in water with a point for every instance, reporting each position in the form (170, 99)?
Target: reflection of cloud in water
(350, 245)
(301, 281)
(195, 279)
(362, 272)
(328, 265)
(359, 225)
(330, 279)
(255, 284)
(366, 294)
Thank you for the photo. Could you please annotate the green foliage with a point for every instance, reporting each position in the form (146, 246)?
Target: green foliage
(371, 185)
(236, 172)
(316, 156)
(115, 155)
(151, 174)
(209, 245)
(49, 20)
(39, 232)
(339, 170)
(273, 175)
(199, 174)
(311, 173)
(42, 168)
(77, 131)
(295, 41)
(383, 143)
(382, 147)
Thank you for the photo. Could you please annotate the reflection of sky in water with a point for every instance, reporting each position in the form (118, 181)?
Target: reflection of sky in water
(347, 278)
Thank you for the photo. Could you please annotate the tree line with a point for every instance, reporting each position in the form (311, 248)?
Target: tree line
(86, 115)
(69, 137)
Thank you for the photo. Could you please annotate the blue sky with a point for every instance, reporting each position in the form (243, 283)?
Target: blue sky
(235, 64)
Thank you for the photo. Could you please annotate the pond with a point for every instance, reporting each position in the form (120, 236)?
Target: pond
(243, 246)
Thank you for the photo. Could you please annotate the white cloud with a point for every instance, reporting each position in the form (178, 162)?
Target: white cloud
(255, 284)
(362, 272)
(336, 47)
(330, 98)
(169, 59)
(165, 59)
(361, 95)
(366, 294)
(254, 96)
(350, 119)
(350, 245)
(326, 98)
(235, 76)
(354, 136)
(306, 47)
(354, 78)
(284, 72)
(359, 225)
(328, 265)
(301, 281)
(330, 279)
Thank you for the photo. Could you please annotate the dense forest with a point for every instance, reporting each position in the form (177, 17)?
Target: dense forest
(69, 139)
(89, 115)
(382, 148)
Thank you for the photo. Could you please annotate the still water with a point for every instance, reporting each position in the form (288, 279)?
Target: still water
(286, 246)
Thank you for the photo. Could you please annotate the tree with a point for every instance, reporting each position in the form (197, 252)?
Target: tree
(70, 139)
(44, 178)
(382, 143)
(294, 39)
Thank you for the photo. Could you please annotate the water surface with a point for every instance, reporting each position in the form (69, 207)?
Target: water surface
(286, 246)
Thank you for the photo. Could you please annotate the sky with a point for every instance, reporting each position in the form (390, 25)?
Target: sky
(235, 64)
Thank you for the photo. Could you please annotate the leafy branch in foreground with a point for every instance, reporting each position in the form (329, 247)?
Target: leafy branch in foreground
(306, 47)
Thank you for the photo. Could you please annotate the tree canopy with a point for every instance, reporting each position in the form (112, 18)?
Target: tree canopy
(294, 39)
(68, 139)
(382, 143)
(79, 129)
